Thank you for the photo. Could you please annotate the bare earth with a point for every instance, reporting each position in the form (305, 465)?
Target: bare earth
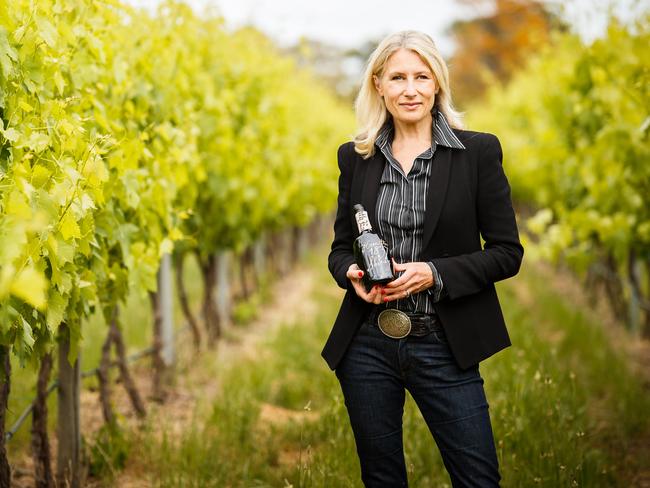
(196, 382)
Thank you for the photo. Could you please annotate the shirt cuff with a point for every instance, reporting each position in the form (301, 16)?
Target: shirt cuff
(436, 291)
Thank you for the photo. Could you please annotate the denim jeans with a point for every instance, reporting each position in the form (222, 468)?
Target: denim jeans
(374, 374)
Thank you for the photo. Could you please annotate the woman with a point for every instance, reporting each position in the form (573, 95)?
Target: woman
(431, 191)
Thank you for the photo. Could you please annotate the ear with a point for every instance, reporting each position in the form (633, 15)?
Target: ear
(377, 83)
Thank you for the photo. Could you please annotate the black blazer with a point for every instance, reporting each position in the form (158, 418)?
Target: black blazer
(468, 198)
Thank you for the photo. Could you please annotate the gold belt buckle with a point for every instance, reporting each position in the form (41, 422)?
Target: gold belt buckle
(394, 323)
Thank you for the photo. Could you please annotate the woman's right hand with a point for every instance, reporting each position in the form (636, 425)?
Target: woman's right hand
(354, 274)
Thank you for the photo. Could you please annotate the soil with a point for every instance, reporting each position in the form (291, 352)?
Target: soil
(195, 384)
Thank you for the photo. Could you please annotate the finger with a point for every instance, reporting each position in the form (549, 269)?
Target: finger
(397, 266)
(392, 298)
(399, 282)
(354, 274)
(378, 299)
(402, 292)
(363, 294)
(394, 295)
(359, 288)
(375, 295)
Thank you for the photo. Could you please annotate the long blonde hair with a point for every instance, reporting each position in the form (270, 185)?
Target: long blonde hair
(370, 107)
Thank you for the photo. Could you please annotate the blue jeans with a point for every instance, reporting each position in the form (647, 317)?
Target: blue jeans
(374, 374)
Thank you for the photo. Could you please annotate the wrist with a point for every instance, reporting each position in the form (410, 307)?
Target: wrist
(432, 269)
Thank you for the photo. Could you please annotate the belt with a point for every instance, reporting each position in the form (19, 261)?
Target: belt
(421, 323)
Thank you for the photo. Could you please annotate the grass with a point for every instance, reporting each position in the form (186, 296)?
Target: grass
(564, 407)
(136, 319)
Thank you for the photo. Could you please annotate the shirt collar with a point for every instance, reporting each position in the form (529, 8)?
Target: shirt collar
(441, 132)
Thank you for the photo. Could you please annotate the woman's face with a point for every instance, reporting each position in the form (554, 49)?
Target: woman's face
(408, 87)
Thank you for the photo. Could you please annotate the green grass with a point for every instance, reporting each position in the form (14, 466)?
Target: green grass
(563, 402)
(136, 319)
(565, 406)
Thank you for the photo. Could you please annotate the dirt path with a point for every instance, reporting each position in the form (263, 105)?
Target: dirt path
(197, 378)
(196, 382)
(197, 374)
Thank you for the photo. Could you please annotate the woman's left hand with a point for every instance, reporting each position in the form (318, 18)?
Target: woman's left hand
(416, 277)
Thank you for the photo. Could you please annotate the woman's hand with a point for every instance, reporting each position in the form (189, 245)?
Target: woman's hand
(416, 277)
(354, 274)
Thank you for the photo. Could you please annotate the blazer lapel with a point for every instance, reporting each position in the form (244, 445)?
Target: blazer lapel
(438, 183)
(370, 187)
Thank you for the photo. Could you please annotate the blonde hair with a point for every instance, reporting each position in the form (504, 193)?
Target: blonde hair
(370, 107)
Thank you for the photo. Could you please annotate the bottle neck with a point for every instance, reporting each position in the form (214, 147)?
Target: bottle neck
(363, 222)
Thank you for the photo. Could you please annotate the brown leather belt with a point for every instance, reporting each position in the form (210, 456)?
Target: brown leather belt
(421, 323)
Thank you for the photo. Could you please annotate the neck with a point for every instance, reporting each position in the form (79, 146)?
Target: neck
(418, 131)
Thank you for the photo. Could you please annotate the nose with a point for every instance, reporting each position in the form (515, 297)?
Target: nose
(410, 88)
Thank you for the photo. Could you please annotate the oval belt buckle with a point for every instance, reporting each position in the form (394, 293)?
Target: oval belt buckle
(394, 323)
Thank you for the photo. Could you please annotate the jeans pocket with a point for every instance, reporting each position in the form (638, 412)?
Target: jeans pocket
(440, 336)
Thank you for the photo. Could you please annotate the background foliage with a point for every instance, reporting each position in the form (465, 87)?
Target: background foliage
(123, 133)
(576, 133)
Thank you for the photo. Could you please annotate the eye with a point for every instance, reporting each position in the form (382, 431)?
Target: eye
(396, 77)
(426, 77)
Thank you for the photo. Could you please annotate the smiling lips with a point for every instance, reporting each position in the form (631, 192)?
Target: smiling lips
(410, 105)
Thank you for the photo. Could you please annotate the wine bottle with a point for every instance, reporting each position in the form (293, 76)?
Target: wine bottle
(371, 252)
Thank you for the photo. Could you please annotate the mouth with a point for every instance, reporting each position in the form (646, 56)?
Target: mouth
(411, 105)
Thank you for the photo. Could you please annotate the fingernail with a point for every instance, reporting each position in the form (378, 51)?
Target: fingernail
(360, 274)
(385, 299)
(383, 291)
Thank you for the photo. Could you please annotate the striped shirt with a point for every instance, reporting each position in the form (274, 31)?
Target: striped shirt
(401, 206)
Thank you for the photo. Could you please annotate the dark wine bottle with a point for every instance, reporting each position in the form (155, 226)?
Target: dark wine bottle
(371, 252)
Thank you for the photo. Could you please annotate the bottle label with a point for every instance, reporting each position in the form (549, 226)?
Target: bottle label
(363, 222)
(376, 259)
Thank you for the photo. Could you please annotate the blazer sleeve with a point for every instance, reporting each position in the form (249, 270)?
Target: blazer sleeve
(341, 255)
(502, 253)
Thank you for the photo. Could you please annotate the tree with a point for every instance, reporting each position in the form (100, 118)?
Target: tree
(492, 47)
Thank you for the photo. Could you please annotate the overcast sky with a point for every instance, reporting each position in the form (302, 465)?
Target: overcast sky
(351, 22)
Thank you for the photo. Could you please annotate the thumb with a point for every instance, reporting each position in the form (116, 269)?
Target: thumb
(354, 273)
(397, 266)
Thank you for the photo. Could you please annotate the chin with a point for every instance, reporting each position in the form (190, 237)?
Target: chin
(412, 117)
